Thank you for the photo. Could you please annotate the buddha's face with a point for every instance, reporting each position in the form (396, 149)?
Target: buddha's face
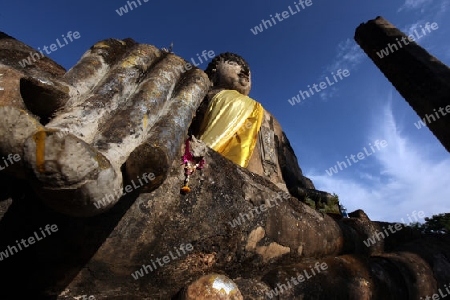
(230, 75)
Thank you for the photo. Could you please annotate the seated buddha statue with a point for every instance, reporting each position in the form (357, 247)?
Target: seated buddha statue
(239, 128)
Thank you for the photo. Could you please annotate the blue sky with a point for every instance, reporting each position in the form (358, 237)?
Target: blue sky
(410, 174)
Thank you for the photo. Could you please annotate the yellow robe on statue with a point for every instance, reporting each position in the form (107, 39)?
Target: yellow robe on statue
(231, 125)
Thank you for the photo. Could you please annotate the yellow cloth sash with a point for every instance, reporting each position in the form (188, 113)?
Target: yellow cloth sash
(231, 125)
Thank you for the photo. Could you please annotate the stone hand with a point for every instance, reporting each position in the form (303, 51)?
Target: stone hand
(122, 103)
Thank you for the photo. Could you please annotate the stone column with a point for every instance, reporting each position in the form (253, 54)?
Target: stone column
(418, 76)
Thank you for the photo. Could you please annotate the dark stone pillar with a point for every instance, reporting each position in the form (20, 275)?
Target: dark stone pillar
(418, 76)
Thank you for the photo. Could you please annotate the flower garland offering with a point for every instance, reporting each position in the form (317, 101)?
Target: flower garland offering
(190, 165)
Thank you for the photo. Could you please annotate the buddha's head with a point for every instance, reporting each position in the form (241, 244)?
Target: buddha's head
(230, 71)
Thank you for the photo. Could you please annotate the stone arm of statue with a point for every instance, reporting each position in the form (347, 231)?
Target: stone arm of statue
(292, 173)
(121, 112)
(283, 167)
(280, 164)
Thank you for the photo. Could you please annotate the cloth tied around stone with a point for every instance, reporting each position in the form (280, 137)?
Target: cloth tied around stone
(231, 125)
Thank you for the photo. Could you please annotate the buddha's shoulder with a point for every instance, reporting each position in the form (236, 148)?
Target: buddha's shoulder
(272, 122)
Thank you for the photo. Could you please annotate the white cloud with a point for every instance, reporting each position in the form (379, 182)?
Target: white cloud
(348, 56)
(436, 8)
(328, 93)
(436, 13)
(409, 29)
(415, 4)
(410, 179)
(445, 5)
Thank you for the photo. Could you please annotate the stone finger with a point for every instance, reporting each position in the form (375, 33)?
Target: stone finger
(157, 153)
(131, 126)
(95, 64)
(85, 119)
(69, 175)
